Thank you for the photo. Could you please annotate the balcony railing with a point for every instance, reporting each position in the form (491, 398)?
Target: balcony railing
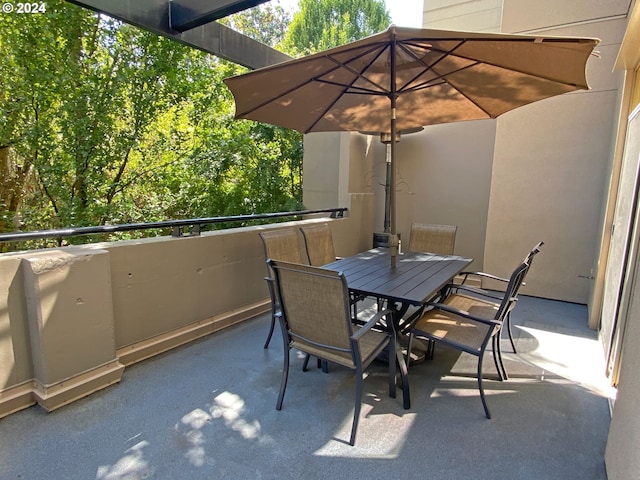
(177, 226)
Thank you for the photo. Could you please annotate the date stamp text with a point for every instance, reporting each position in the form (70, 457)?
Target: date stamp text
(24, 8)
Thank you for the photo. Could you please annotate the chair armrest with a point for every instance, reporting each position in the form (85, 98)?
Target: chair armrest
(372, 322)
(462, 313)
(476, 290)
(482, 275)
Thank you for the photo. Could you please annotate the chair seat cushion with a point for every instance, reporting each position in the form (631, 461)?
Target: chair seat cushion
(455, 329)
(371, 344)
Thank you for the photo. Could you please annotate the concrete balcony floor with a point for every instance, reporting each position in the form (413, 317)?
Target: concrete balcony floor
(207, 410)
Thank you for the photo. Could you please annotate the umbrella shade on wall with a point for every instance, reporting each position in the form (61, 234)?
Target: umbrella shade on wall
(405, 78)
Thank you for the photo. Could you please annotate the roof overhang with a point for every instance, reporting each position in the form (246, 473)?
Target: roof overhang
(191, 22)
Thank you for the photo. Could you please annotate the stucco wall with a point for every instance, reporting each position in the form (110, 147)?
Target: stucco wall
(444, 177)
(478, 16)
(550, 160)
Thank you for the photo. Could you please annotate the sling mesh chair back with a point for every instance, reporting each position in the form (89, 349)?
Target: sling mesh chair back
(468, 323)
(316, 320)
(318, 242)
(282, 244)
(432, 238)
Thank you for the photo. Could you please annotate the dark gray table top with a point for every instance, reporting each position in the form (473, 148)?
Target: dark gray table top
(416, 278)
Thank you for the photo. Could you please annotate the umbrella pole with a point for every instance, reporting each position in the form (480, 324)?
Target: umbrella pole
(394, 243)
(387, 203)
(393, 238)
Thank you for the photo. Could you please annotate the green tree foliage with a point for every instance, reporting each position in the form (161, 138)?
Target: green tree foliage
(267, 23)
(101, 122)
(105, 123)
(322, 24)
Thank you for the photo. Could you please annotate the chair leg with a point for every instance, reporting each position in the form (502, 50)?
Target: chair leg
(504, 375)
(273, 324)
(305, 364)
(393, 360)
(320, 363)
(497, 358)
(513, 345)
(356, 411)
(407, 358)
(285, 376)
(484, 402)
(431, 348)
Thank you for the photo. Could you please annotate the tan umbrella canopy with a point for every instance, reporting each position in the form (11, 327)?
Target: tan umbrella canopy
(405, 78)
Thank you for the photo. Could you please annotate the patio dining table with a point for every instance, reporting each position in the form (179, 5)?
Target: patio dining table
(416, 279)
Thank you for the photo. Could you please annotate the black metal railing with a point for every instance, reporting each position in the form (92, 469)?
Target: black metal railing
(177, 226)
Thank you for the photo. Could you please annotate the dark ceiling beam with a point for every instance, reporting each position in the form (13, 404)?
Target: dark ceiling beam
(187, 14)
(213, 38)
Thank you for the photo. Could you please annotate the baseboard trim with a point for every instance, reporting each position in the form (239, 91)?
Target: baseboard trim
(16, 398)
(51, 397)
(161, 343)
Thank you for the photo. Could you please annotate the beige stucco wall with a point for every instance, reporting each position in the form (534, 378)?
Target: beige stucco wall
(479, 15)
(444, 177)
(558, 165)
(16, 366)
(550, 160)
(339, 170)
(554, 14)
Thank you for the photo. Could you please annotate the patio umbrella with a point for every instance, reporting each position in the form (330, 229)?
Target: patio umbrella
(404, 78)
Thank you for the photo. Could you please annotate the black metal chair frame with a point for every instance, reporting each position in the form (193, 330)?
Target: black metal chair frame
(492, 326)
(349, 357)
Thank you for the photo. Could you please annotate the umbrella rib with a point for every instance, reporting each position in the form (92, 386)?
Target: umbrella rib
(360, 74)
(311, 80)
(492, 64)
(346, 87)
(354, 89)
(427, 66)
(442, 77)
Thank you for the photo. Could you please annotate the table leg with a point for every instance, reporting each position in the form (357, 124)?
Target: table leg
(404, 377)
(398, 312)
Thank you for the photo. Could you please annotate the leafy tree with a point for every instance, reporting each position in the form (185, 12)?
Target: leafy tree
(267, 23)
(101, 122)
(322, 24)
(83, 91)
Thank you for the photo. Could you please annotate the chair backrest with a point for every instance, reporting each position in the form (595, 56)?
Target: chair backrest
(282, 244)
(511, 293)
(529, 259)
(318, 242)
(534, 251)
(315, 305)
(432, 238)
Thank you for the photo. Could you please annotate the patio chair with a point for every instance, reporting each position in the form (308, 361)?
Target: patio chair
(316, 320)
(284, 245)
(490, 294)
(468, 322)
(432, 238)
(318, 242)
